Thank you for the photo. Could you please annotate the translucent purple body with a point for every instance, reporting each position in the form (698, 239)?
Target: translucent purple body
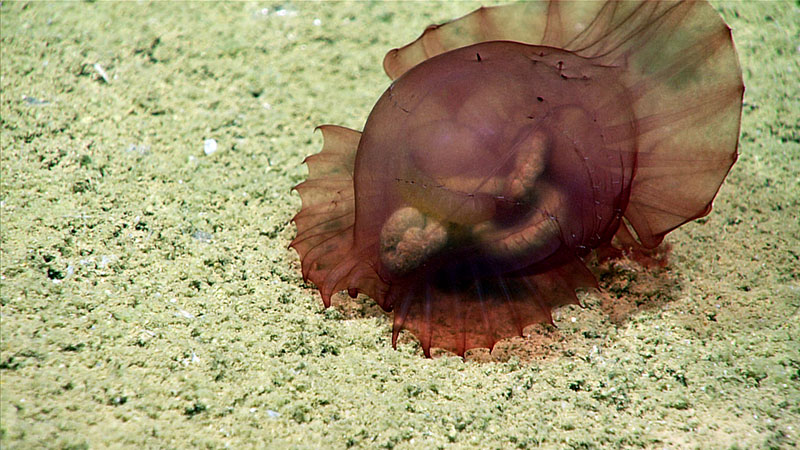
(513, 143)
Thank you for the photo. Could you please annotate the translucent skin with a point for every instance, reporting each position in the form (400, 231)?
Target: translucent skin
(511, 145)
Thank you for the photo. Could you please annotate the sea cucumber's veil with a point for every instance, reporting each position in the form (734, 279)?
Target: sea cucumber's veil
(680, 67)
(325, 223)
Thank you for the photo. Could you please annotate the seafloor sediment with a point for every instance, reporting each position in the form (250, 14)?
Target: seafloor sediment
(148, 298)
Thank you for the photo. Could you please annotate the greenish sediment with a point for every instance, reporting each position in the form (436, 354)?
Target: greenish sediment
(148, 298)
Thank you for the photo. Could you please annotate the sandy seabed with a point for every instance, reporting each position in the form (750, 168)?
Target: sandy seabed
(148, 298)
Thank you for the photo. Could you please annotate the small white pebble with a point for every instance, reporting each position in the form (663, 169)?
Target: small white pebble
(573, 319)
(285, 13)
(101, 72)
(105, 260)
(317, 22)
(209, 146)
